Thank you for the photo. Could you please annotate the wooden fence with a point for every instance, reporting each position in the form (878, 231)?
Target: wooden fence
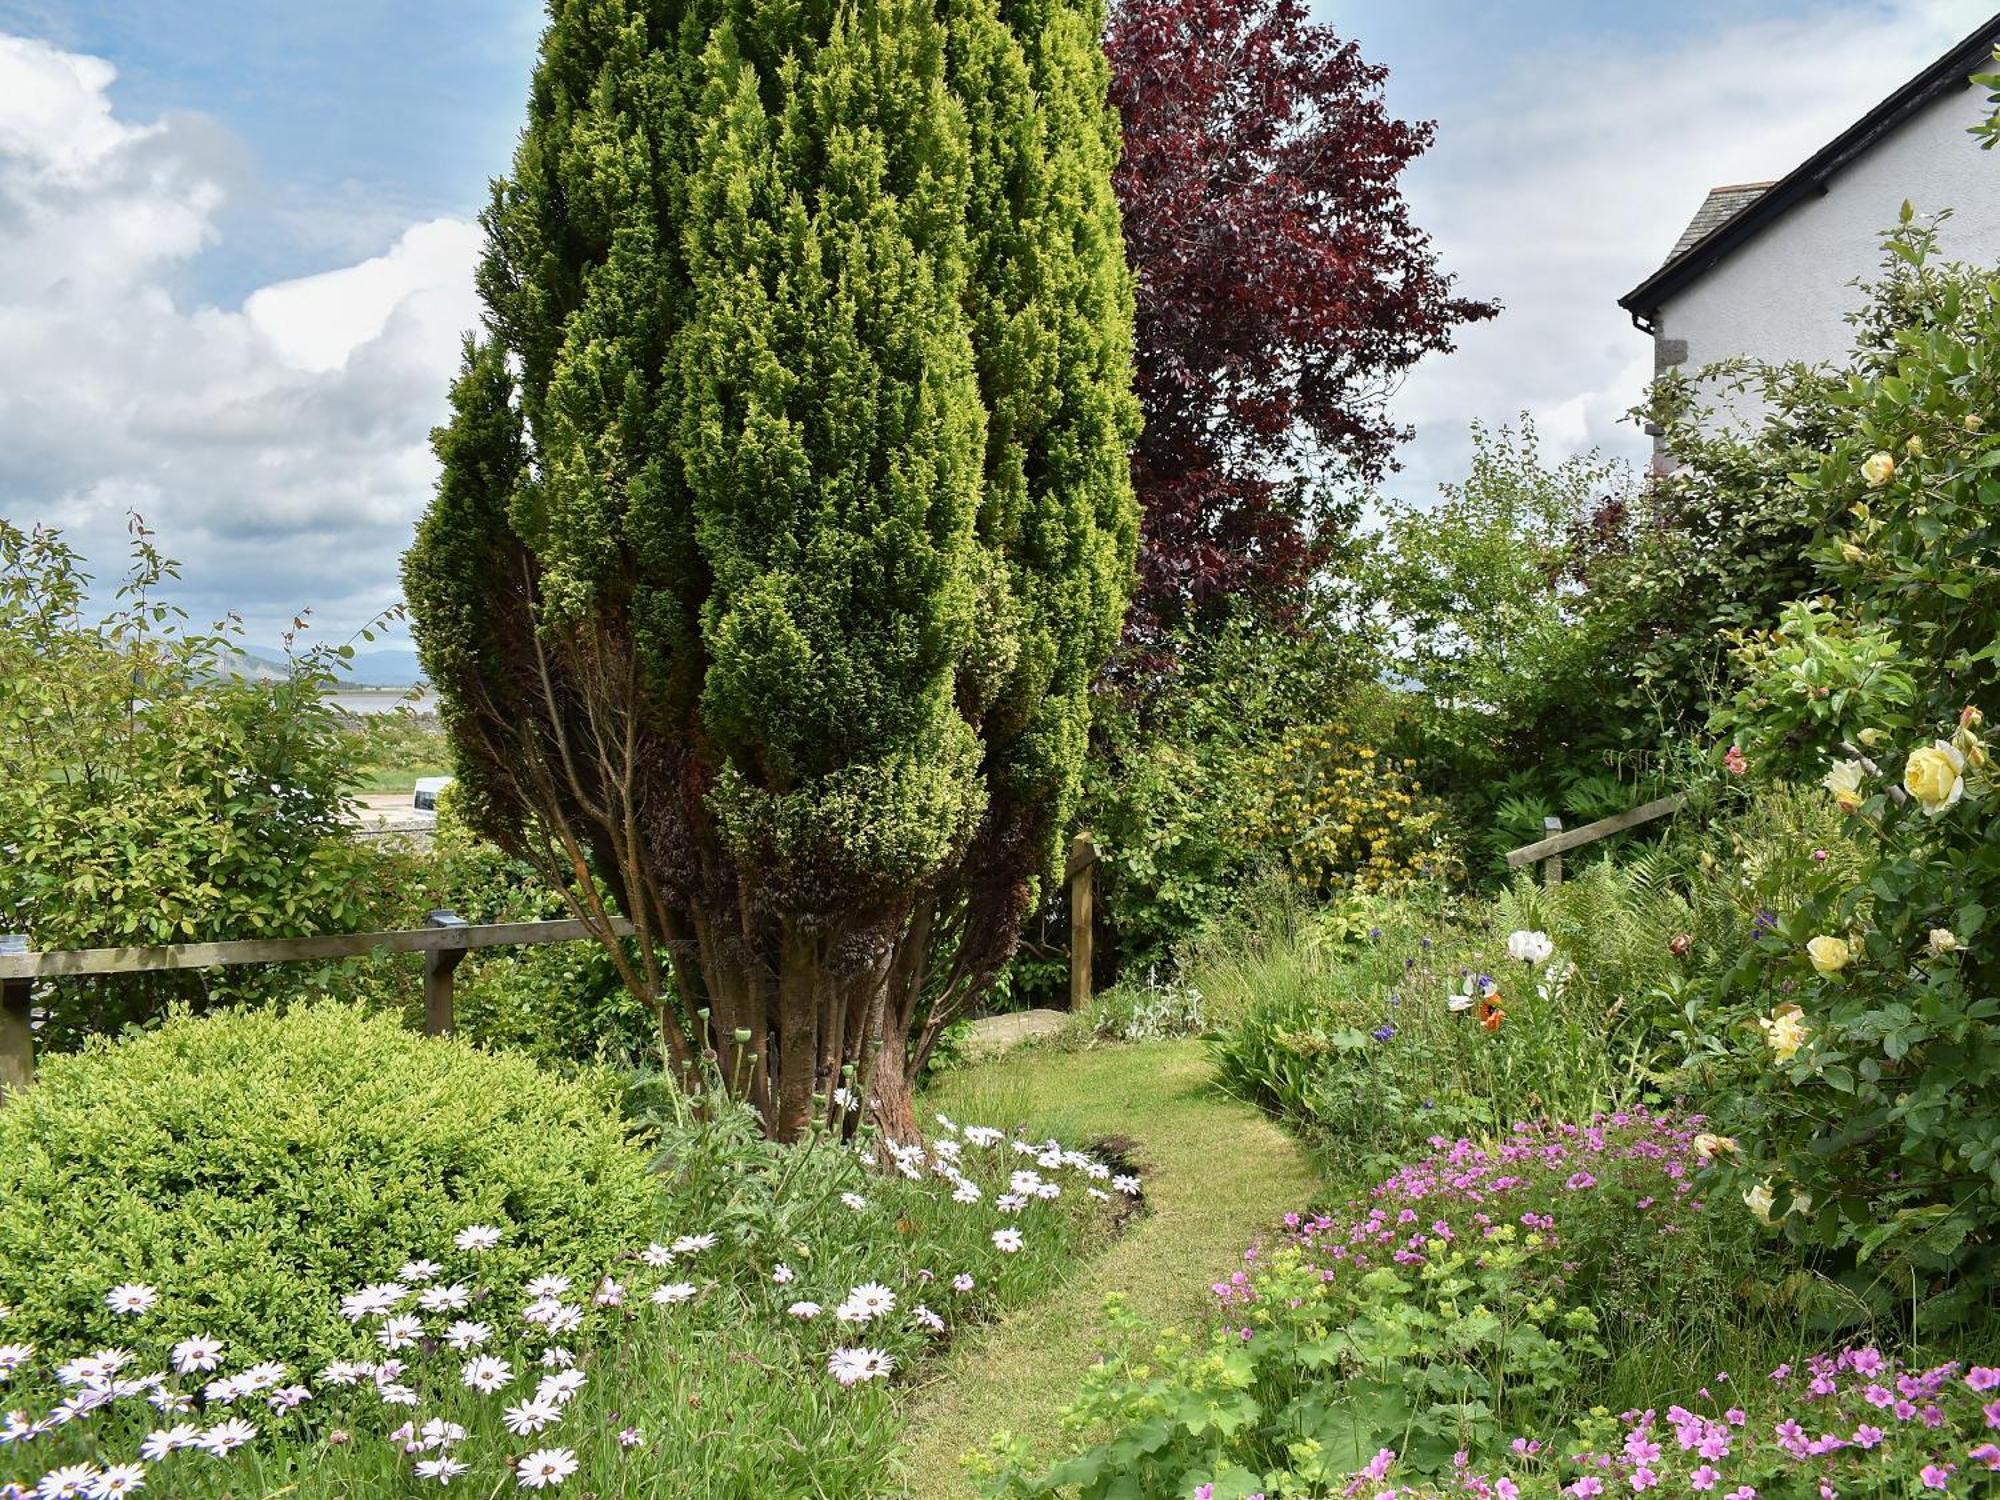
(444, 942)
(1548, 851)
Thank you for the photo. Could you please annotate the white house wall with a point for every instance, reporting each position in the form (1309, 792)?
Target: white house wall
(1783, 295)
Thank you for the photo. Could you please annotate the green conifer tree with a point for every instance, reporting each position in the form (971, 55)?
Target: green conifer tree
(784, 513)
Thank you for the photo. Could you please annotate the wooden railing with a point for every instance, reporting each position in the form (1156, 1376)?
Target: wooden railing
(444, 942)
(1548, 851)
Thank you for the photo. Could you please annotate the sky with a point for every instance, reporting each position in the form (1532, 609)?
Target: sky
(236, 241)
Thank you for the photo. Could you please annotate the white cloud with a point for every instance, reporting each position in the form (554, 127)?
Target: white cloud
(1563, 182)
(280, 449)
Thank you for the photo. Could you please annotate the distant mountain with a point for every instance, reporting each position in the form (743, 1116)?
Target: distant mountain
(387, 668)
(383, 668)
(253, 666)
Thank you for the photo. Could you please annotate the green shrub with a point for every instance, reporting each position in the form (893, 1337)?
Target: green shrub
(251, 1166)
(1363, 1027)
(1865, 1030)
(207, 806)
(1155, 1010)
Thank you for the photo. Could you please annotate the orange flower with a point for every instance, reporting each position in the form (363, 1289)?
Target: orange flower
(1490, 1013)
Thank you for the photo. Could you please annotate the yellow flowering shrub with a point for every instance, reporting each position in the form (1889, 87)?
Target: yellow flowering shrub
(1341, 814)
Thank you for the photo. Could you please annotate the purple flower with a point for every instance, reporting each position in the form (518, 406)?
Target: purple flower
(1383, 1032)
(1704, 1478)
(1982, 1377)
(1937, 1476)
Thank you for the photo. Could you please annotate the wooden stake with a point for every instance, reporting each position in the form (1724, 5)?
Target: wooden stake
(1552, 867)
(17, 1035)
(439, 966)
(1082, 862)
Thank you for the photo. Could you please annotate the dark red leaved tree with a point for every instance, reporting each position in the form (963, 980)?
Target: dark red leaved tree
(1282, 291)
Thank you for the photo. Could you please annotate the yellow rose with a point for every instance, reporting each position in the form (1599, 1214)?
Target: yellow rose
(1785, 1031)
(1973, 421)
(1870, 737)
(1708, 1146)
(1760, 1198)
(1852, 553)
(1914, 447)
(1935, 776)
(1971, 747)
(1844, 781)
(1829, 955)
(1942, 941)
(1879, 469)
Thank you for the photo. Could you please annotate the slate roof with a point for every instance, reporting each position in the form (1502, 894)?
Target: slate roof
(1720, 206)
(1750, 208)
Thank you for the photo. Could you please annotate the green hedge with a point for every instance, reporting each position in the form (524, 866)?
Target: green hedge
(252, 1166)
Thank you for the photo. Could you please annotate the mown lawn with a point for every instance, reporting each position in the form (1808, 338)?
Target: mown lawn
(1217, 1173)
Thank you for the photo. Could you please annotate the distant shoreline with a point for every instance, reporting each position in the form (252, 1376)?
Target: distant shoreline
(418, 699)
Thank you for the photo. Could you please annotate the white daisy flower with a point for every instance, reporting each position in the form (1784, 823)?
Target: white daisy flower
(854, 1201)
(443, 1470)
(372, 1301)
(400, 1332)
(545, 1468)
(165, 1440)
(962, 1282)
(486, 1374)
(477, 1238)
(454, 1298)
(1007, 1241)
(548, 1286)
(226, 1436)
(419, 1270)
(782, 1274)
(853, 1366)
(806, 1311)
(530, 1416)
(673, 1292)
(131, 1298)
(464, 1335)
(657, 1255)
(200, 1353)
(559, 1387)
(70, 1481)
(694, 1244)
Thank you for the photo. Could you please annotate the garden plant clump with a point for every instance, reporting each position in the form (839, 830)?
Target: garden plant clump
(520, 1295)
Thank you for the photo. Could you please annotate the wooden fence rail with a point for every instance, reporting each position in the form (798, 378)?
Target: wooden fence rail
(443, 943)
(1548, 851)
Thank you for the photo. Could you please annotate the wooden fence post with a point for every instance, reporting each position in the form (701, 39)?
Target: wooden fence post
(1082, 864)
(1552, 867)
(439, 966)
(17, 1035)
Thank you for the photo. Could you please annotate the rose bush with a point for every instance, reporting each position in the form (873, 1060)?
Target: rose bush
(1875, 1096)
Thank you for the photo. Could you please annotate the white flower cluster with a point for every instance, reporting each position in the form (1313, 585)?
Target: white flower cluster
(433, 1349)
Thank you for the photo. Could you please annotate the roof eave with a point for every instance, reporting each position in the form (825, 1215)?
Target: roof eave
(1952, 71)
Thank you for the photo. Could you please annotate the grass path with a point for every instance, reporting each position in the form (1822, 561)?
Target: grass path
(1217, 1173)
